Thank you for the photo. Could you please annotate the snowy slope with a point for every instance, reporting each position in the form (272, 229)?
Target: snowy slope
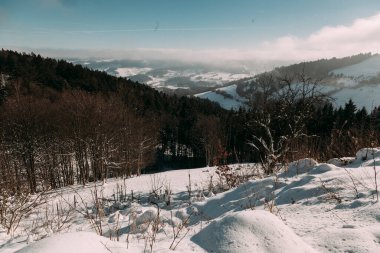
(125, 72)
(364, 69)
(74, 242)
(367, 96)
(359, 82)
(350, 85)
(309, 207)
(231, 101)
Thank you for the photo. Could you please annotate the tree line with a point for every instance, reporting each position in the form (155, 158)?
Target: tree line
(62, 124)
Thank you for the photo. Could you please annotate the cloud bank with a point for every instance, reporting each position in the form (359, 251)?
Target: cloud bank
(361, 36)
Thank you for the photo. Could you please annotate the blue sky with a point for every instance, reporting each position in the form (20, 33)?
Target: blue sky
(175, 28)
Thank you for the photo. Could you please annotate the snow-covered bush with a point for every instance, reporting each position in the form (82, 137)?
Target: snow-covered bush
(228, 178)
(146, 217)
(15, 207)
(367, 153)
(322, 168)
(301, 166)
(341, 161)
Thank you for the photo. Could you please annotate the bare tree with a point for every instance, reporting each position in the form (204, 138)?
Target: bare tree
(283, 116)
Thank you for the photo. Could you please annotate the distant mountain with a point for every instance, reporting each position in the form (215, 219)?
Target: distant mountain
(178, 78)
(356, 77)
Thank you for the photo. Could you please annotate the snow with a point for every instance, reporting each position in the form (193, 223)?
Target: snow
(341, 161)
(211, 78)
(341, 240)
(219, 78)
(367, 96)
(323, 168)
(224, 102)
(231, 90)
(367, 153)
(346, 82)
(175, 87)
(233, 101)
(349, 86)
(250, 231)
(105, 60)
(365, 69)
(76, 242)
(161, 80)
(301, 166)
(313, 207)
(126, 72)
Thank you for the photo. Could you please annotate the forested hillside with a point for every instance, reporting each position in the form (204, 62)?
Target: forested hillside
(320, 69)
(63, 124)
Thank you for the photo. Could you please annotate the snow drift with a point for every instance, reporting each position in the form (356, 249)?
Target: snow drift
(75, 242)
(250, 231)
(324, 207)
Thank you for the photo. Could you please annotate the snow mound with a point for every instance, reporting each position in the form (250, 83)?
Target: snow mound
(301, 166)
(349, 239)
(323, 168)
(367, 153)
(340, 162)
(76, 242)
(147, 217)
(250, 231)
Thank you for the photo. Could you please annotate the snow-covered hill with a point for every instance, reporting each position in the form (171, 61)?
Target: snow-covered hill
(174, 79)
(226, 97)
(365, 69)
(167, 75)
(306, 207)
(359, 82)
(367, 96)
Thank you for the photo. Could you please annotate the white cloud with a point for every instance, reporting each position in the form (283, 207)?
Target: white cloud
(362, 36)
